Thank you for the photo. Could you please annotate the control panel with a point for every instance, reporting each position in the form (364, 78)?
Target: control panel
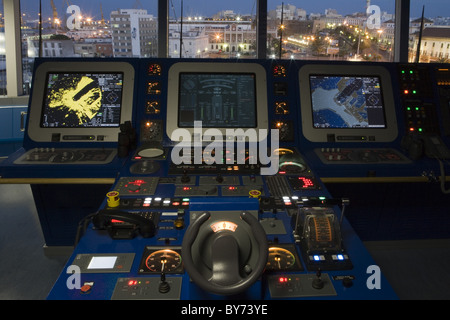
(217, 171)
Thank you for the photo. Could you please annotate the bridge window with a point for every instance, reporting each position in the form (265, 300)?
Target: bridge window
(354, 30)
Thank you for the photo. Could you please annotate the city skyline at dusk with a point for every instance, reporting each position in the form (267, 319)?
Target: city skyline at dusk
(207, 8)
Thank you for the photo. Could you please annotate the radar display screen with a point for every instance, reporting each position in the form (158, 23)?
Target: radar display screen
(78, 100)
(347, 102)
(218, 100)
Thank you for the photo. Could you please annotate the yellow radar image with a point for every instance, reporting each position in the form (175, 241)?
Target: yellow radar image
(75, 101)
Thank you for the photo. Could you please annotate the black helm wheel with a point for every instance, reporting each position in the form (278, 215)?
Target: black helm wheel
(226, 271)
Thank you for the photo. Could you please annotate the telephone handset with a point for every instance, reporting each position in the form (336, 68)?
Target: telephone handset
(431, 146)
(126, 224)
(435, 148)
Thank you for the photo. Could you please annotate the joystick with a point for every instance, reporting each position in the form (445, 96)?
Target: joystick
(185, 178)
(164, 286)
(318, 282)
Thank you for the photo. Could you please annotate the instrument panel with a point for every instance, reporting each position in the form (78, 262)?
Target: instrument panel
(312, 250)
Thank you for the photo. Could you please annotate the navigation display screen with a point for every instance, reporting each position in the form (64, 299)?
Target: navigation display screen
(218, 100)
(347, 102)
(75, 100)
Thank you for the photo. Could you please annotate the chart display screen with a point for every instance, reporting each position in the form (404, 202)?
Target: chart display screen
(75, 100)
(347, 102)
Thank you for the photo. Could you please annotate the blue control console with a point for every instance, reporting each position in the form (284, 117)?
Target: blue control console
(200, 179)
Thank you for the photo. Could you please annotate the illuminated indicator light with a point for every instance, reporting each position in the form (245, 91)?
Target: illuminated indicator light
(417, 108)
(306, 182)
(116, 221)
(409, 108)
(224, 225)
(406, 91)
(185, 199)
(148, 199)
(403, 71)
(185, 203)
(132, 282)
(158, 199)
(231, 188)
(316, 257)
(166, 201)
(137, 158)
(285, 198)
(186, 188)
(176, 203)
(420, 129)
(340, 257)
(414, 91)
(282, 172)
(411, 129)
(146, 204)
(282, 279)
(410, 71)
(294, 198)
(322, 198)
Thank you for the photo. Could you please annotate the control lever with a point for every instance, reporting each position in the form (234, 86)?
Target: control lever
(164, 286)
(185, 178)
(318, 282)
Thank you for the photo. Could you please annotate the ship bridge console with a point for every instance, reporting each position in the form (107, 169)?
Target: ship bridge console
(239, 179)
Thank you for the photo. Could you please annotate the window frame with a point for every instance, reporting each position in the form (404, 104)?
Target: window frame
(14, 58)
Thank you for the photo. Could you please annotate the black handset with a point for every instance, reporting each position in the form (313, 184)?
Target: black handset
(126, 224)
(436, 148)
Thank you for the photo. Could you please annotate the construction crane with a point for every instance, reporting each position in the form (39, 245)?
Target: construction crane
(55, 15)
(138, 5)
(101, 11)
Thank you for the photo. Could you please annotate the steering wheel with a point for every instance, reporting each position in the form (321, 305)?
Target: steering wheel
(225, 257)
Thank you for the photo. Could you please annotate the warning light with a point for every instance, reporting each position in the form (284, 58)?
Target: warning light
(411, 129)
(282, 279)
(406, 91)
(132, 282)
(307, 183)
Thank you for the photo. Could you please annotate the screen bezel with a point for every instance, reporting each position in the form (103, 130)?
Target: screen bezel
(38, 133)
(213, 68)
(366, 134)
